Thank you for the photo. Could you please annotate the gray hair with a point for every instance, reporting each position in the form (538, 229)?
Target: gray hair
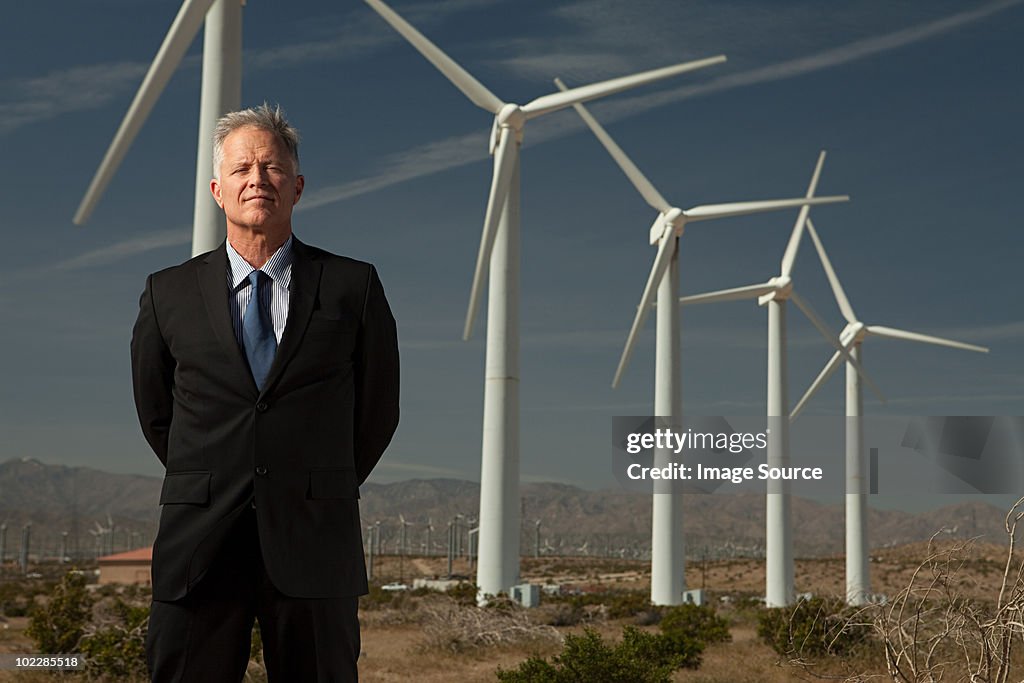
(263, 117)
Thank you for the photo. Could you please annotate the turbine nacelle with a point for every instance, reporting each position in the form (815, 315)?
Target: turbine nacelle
(853, 333)
(783, 288)
(510, 116)
(672, 220)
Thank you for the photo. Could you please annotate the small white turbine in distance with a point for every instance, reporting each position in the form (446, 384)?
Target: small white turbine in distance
(774, 293)
(498, 569)
(858, 578)
(221, 92)
(668, 551)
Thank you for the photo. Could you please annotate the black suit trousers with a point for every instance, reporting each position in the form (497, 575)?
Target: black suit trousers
(205, 636)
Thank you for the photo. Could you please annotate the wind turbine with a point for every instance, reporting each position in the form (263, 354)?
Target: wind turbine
(221, 92)
(858, 577)
(668, 551)
(774, 293)
(498, 568)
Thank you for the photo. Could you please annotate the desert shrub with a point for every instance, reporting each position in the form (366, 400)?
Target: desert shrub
(697, 622)
(376, 598)
(454, 628)
(117, 648)
(615, 604)
(57, 624)
(561, 614)
(627, 604)
(380, 599)
(16, 597)
(812, 628)
(463, 593)
(640, 657)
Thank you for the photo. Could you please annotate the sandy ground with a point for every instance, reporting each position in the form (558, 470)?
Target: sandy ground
(393, 644)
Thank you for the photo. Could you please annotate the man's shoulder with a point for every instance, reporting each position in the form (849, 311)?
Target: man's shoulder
(186, 270)
(332, 260)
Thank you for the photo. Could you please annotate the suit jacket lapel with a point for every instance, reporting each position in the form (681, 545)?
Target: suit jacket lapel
(213, 284)
(305, 283)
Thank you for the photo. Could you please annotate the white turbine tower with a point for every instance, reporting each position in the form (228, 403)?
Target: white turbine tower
(498, 568)
(668, 550)
(774, 293)
(221, 93)
(858, 578)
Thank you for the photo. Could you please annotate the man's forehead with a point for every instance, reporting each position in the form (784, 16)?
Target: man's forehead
(248, 141)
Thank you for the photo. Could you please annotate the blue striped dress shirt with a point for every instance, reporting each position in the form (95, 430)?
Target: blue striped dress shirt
(275, 298)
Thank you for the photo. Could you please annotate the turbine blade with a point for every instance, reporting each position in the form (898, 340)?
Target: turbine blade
(710, 211)
(734, 294)
(666, 249)
(561, 100)
(183, 30)
(893, 333)
(834, 341)
(504, 163)
(837, 289)
(823, 376)
(470, 87)
(789, 257)
(639, 180)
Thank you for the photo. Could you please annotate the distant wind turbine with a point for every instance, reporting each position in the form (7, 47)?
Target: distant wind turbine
(774, 293)
(498, 568)
(221, 92)
(858, 577)
(668, 550)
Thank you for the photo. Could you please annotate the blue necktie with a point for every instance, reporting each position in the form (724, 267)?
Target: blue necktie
(257, 331)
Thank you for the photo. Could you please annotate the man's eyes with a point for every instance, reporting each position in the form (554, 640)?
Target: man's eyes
(276, 168)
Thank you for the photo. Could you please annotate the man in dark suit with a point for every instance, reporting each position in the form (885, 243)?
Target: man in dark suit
(266, 381)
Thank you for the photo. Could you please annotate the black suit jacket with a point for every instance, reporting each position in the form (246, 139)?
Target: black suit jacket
(303, 445)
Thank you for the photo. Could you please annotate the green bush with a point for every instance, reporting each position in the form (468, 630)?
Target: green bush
(463, 593)
(118, 649)
(57, 625)
(627, 604)
(16, 596)
(640, 657)
(699, 623)
(617, 604)
(811, 628)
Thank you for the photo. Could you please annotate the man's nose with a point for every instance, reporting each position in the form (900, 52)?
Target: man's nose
(259, 177)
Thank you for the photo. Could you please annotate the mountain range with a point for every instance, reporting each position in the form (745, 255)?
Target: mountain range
(86, 503)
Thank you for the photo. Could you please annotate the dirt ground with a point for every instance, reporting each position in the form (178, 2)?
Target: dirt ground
(393, 644)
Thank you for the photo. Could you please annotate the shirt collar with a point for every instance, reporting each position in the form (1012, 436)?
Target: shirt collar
(278, 267)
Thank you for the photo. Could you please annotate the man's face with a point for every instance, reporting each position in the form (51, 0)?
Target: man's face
(258, 186)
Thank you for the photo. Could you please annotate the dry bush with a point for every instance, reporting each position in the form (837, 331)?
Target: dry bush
(453, 628)
(932, 631)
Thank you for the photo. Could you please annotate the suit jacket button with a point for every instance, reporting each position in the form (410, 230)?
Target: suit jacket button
(262, 407)
(261, 470)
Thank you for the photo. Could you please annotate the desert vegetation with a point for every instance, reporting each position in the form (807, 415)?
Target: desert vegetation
(954, 611)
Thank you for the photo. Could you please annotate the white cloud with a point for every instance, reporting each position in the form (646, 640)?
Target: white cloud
(986, 333)
(60, 92)
(82, 88)
(112, 253)
(457, 151)
(414, 163)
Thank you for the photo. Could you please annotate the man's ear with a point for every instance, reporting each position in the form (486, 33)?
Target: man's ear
(300, 182)
(215, 191)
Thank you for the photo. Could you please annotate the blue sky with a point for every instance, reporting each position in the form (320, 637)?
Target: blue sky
(919, 105)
